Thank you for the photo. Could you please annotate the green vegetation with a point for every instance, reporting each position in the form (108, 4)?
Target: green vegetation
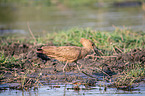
(132, 74)
(124, 39)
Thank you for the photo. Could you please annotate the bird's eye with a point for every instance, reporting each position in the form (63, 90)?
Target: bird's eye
(92, 44)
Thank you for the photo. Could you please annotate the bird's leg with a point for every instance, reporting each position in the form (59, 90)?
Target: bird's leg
(64, 66)
(78, 67)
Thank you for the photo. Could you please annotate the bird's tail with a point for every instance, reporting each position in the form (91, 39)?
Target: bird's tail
(41, 55)
(39, 50)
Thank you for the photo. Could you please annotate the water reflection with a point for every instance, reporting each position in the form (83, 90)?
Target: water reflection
(53, 19)
(66, 90)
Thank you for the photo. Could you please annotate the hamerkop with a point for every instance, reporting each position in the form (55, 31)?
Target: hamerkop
(69, 53)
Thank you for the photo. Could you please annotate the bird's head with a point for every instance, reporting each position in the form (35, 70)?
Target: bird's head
(89, 45)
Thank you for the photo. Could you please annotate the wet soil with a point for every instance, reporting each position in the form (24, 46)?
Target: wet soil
(37, 68)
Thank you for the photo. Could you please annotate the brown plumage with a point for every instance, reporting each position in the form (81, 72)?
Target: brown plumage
(69, 53)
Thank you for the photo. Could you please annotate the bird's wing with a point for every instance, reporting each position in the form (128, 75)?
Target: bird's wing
(66, 52)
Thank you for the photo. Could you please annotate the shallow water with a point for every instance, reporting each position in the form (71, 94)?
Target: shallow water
(54, 19)
(67, 90)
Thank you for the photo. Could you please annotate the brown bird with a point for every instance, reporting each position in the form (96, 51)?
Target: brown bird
(69, 53)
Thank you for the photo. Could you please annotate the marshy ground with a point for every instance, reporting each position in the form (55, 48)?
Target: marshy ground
(21, 64)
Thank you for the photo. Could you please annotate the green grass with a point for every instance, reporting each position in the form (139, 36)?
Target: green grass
(123, 39)
(136, 70)
(131, 75)
(8, 61)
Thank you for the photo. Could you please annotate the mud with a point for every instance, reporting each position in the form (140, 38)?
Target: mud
(122, 60)
(38, 68)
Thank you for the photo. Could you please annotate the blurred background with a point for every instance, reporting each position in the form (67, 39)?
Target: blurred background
(45, 16)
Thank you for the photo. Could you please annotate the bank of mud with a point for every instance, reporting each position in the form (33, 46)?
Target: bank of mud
(30, 69)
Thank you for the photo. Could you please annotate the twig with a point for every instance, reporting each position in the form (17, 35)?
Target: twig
(100, 52)
(118, 49)
(114, 50)
(87, 74)
(31, 33)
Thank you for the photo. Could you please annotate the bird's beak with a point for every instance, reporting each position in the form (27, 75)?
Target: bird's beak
(96, 51)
